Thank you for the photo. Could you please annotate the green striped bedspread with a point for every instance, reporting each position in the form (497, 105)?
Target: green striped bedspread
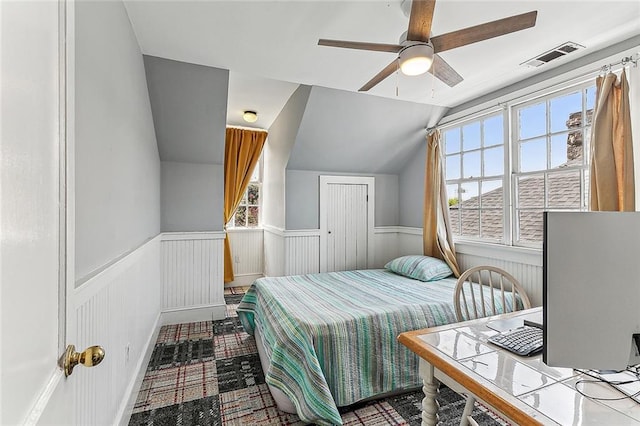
(331, 337)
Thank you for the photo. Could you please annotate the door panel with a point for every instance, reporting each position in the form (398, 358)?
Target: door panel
(347, 227)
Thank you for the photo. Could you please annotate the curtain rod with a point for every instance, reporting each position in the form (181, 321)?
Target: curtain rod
(257, 129)
(624, 61)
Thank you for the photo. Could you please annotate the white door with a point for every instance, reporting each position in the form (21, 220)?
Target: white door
(33, 201)
(346, 222)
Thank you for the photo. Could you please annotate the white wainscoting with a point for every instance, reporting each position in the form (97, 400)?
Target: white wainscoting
(247, 252)
(192, 271)
(524, 264)
(385, 240)
(302, 252)
(274, 252)
(118, 308)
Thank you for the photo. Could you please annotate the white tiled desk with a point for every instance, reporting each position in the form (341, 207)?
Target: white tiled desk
(523, 389)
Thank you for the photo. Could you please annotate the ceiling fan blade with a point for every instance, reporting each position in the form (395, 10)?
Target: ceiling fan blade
(420, 20)
(386, 72)
(378, 47)
(483, 31)
(443, 71)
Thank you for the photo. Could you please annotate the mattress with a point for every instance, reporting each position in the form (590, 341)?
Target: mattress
(330, 338)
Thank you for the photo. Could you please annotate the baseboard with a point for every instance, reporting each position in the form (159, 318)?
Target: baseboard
(126, 409)
(243, 280)
(193, 314)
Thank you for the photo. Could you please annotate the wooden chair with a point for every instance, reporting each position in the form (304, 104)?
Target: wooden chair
(471, 302)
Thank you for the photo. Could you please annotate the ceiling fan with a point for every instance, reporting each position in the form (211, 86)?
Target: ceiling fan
(419, 51)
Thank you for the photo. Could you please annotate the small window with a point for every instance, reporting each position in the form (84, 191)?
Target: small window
(248, 213)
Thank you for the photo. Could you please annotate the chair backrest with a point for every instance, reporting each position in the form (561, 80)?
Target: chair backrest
(483, 291)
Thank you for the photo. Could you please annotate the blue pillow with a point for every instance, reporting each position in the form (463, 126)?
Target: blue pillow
(423, 268)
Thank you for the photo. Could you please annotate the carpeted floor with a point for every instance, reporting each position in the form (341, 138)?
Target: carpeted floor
(208, 373)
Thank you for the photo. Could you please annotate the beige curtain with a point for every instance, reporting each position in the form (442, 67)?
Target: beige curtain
(241, 154)
(612, 178)
(436, 230)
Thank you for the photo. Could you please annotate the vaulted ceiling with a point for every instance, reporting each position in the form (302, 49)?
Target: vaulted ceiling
(271, 46)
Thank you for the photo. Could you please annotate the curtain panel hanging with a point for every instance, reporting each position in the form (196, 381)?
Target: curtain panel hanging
(241, 154)
(612, 186)
(436, 229)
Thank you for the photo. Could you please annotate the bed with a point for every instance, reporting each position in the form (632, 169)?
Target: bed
(329, 339)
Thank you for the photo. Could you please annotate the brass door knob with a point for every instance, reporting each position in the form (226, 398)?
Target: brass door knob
(90, 357)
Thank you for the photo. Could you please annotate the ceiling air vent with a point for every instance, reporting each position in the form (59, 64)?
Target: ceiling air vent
(555, 53)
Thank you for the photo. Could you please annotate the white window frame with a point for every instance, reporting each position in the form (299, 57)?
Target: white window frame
(511, 161)
(515, 144)
(232, 222)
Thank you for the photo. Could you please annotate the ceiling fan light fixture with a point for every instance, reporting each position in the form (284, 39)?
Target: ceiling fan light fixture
(416, 59)
(250, 116)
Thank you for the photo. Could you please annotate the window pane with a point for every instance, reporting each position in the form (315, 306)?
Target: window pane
(530, 191)
(564, 190)
(494, 161)
(532, 121)
(530, 226)
(491, 224)
(255, 176)
(253, 194)
(492, 193)
(493, 131)
(533, 155)
(452, 194)
(566, 112)
(560, 147)
(471, 164)
(452, 141)
(252, 219)
(453, 167)
(470, 223)
(471, 136)
(469, 195)
(240, 217)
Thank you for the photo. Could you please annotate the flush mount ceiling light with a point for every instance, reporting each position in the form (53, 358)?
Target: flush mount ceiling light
(250, 116)
(416, 59)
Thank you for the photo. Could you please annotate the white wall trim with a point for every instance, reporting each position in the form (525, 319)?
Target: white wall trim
(409, 230)
(302, 233)
(40, 405)
(243, 280)
(180, 236)
(123, 416)
(524, 255)
(193, 314)
(244, 230)
(274, 230)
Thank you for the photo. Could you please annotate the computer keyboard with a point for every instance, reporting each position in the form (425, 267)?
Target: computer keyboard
(523, 341)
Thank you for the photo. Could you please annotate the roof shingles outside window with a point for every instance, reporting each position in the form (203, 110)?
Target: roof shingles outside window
(563, 192)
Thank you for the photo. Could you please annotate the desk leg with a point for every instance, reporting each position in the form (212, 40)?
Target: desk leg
(430, 405)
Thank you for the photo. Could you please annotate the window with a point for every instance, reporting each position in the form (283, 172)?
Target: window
(474, 164)
(551, 138)
(499, 183)
(248, 213)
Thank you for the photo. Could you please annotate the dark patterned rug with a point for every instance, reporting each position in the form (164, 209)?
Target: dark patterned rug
(208, 373)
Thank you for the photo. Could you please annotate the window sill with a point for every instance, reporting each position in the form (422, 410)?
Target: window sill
(529, 256)
(239, 229)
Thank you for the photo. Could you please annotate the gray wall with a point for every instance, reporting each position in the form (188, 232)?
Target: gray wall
(117, 168)
(189, 105)
(303, 196)
(412, 189)
(282, 136)
(190, 197)
(358, 133)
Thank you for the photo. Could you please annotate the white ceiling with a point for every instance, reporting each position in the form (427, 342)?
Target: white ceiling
(271, 46)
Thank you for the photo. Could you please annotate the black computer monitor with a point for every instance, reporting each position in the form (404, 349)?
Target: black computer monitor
(591, 289)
